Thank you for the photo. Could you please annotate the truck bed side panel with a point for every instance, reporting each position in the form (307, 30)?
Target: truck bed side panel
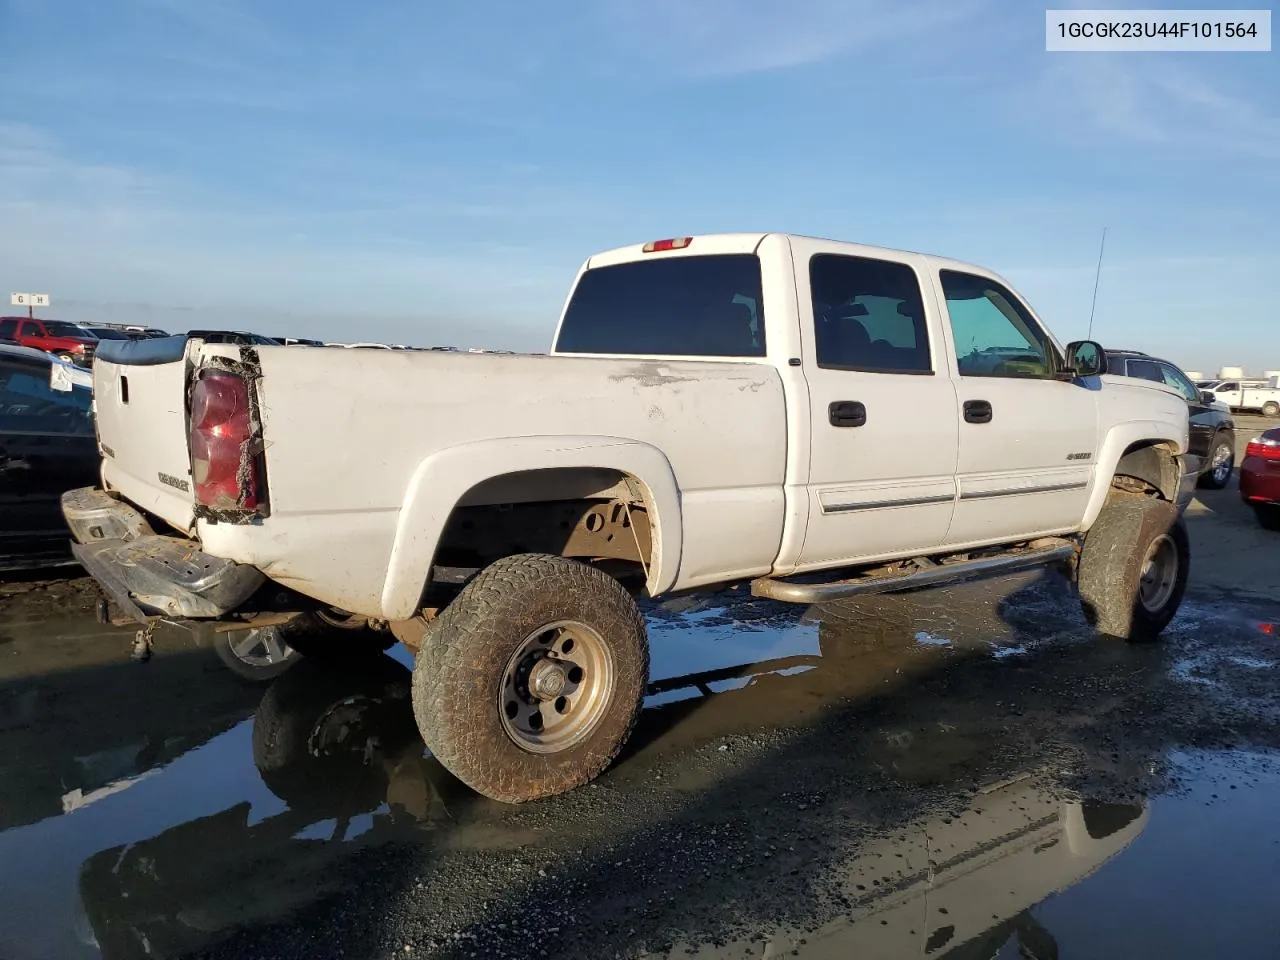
(339, 462)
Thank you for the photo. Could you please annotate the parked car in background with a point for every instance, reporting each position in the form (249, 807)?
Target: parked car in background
(1213, 431)
(68, 341)
(1254, 395)
(1260, 477)
(107, 333)
(47, 446)
(232, 336)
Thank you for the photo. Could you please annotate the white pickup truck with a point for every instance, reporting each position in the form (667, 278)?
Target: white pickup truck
(820, 419)
(1260, 395)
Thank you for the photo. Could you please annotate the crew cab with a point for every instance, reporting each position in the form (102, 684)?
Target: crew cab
(816, 418)
(66, 341)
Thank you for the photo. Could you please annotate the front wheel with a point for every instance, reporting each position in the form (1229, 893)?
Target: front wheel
(1133, 568)
(1222, 463)
(530, 681)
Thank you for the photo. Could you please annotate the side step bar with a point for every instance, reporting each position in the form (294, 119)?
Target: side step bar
(1038, 554)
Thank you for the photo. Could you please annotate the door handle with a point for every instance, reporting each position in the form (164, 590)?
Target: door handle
(977, 411)
(847, 413)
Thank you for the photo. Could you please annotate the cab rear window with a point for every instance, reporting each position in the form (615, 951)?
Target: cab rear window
(702, 306)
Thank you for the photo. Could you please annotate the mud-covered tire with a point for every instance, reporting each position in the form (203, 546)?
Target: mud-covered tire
(461, 672)
(1216, 479)
(1268, 515)
(1271, 409)
(1120, 596)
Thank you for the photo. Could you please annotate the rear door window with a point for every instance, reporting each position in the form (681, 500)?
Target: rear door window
(868, 315)
(8, 329)
(708, 306)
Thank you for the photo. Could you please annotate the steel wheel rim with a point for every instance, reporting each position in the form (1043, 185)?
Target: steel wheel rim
(1159, 574)
(260, 647)
(1222, 463)
(556, 687)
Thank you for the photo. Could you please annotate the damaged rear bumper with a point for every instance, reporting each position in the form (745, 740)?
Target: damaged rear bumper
(146, 573)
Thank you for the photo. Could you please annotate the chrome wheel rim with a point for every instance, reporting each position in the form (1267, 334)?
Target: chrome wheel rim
(1222, 463)
(260, 647)
(556, 686)
(1159, 574)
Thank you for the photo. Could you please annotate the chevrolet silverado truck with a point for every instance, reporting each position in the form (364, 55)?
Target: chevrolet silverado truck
(815, 418)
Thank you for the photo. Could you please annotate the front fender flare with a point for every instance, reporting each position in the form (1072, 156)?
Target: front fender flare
(1119, 439)
(444, 478)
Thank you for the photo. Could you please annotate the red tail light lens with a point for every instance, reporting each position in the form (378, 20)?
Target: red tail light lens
(1264, 447)
(224, 463)
(661, 246)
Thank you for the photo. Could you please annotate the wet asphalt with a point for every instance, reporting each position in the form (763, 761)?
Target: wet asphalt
(961, 773)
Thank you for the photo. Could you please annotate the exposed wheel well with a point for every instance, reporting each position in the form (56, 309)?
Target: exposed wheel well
(591, 514)
(1150, 465)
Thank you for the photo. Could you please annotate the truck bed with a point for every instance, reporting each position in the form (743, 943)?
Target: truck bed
(341, 463)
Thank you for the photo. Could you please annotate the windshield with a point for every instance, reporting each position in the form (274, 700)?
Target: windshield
(106, 333)
(61, 328)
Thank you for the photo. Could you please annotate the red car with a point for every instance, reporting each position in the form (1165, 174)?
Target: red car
(1260, 477)
(66, 340)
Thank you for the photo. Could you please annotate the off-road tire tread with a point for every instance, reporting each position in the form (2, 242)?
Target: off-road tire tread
(1110, 566)
(469, 644)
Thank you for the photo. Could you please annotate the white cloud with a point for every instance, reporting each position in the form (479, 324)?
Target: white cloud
(1152, 99)
(722, 37)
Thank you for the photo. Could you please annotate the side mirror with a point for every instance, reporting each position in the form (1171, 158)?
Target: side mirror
(1085, 358)
(1208, 397)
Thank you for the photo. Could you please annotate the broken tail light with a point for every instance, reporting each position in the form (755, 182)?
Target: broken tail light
(225, 466)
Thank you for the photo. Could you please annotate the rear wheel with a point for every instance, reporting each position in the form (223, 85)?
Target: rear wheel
(530, 681)
(1222, 463)
(1271, 409)
(1268, 515)
(256, 654)
(1133, 568)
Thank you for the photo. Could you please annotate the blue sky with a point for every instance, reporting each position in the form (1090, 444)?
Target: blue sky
(428, 173)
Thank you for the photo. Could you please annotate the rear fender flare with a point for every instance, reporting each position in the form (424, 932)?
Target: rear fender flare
(444, 478)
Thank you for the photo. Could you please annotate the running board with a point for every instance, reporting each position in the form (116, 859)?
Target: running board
(1043, 552)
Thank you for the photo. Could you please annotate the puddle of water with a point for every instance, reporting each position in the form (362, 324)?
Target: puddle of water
(1020, 873)
(220, 823)
(926, 639)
